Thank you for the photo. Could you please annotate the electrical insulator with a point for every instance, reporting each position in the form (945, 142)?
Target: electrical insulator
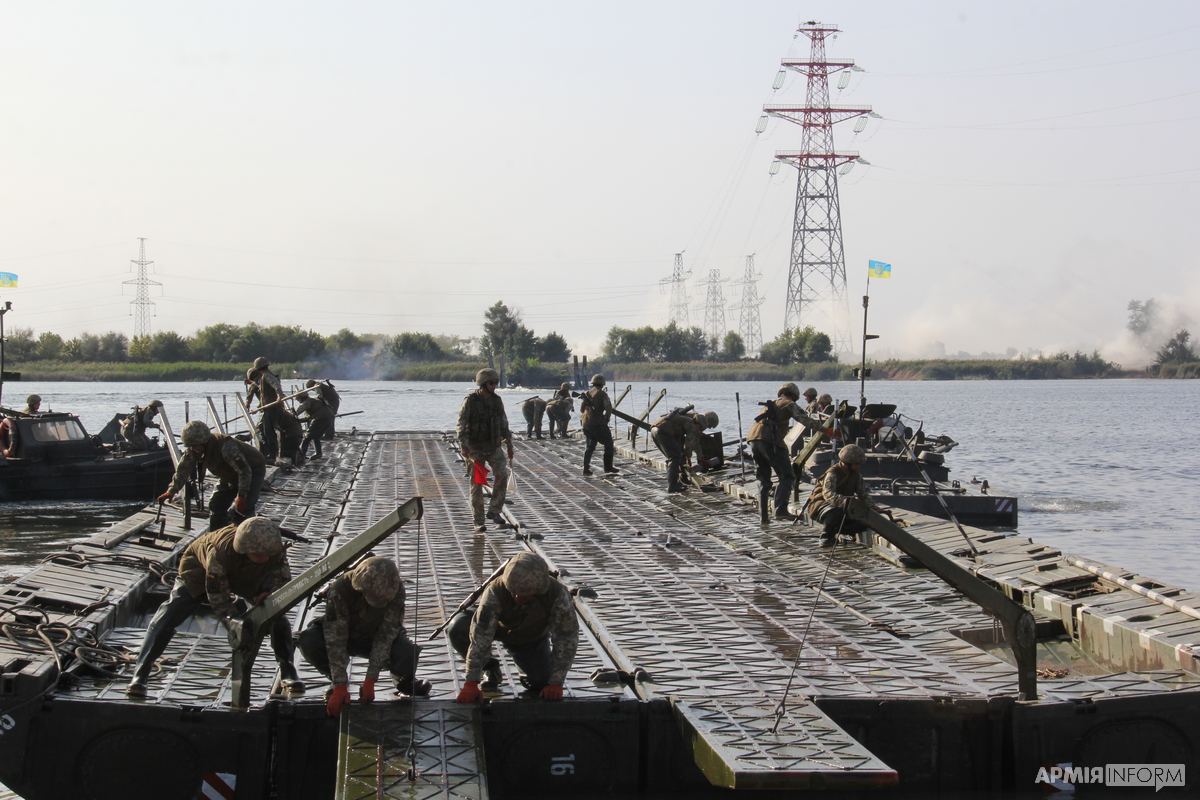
(779, 76)
(844, 80)
(849, 165)
(774, 168)
(859, 124)
(762, 124)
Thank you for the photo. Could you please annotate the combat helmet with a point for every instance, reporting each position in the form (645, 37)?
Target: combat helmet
(261, 362)
(710, 419)
(597, 380)
(565, 387)
(526, 574)
(257, 535)
(791, 390)
(310, 383)
(825, 399)
(486, 375)
(33, 399)
(378, 579)
(155, 404)
(810, 393)
(195, 434)
(852, 454)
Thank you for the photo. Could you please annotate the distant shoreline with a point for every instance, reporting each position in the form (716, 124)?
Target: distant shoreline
(458, 372)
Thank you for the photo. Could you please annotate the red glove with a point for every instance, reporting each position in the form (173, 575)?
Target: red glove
(469, 693)
(338, 699)
(366, 692)
(552, 691)
(241, 505)
(165, 496)
(480, 475)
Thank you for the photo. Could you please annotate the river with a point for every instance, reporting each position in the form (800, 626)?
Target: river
(1097, 465)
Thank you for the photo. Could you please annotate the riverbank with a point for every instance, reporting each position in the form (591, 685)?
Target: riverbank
(1058, 368)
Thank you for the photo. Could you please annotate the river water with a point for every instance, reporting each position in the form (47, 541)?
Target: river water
(1101, 468)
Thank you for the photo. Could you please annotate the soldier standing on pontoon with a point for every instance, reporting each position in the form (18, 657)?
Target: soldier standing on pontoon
(533, 409)
(595, 409)
(559, 410)
(482, 429)
(771, 452)
(331, 397)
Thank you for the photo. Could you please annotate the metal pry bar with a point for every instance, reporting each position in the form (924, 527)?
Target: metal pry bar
(246, 634)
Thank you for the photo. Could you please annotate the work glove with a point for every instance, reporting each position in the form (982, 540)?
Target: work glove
(241, 505)
(234, 628)
(552, 691)
(366, 692)
(338, 698)
(469, 693)
(165, 496)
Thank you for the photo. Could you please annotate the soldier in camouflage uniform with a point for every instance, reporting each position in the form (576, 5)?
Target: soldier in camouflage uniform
(559, 410)
(533, 410)
(364, 616)
(134, 426)
(771, 452)
(595, 410)
(482, 429)
(331, 397)
(276, 417)
(33, 404)
(531, 614)
(321, 422)
(240, 468)
(236, 563)
(678, 436)
(268, 438)
(839, 486)
(810, 400)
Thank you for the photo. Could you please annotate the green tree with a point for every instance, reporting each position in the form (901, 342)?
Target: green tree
(1141, 316)
(345, 341)
(166, 346)
(49, 345)
(416, 347)
(554, 349)
(1177, 350)
(19, 345)
(803, 345)
(214, 342)
(732, 347)
(113, 347)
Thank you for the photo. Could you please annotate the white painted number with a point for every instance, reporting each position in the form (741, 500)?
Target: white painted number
(562, 765)
(7, 723)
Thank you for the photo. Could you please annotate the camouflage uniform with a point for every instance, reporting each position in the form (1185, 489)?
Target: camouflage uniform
(212, 569)
(596, 411)
(771, 452)
(321, 423)
(134, 427)
(332, 399)
(541, 635)
(677, 437)
(559, 410)
(33, 404)
(533, 410)
(240, 468)
(352, 626)
(830, 496)
(483, 431)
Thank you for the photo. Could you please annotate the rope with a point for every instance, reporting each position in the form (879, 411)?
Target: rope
(411, 751)
(781, 709)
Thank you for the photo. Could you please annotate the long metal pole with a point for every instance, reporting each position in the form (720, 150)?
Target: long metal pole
(3, 311)
(737, 398)
(862, 371)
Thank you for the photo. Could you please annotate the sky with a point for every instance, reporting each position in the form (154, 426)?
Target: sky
(392, 166)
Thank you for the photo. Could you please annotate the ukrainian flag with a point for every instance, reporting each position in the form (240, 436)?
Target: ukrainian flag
(878, 269)
(8, 280)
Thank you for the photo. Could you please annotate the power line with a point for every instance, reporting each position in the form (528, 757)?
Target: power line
(749, 322)
(714, 307)
(142, 307)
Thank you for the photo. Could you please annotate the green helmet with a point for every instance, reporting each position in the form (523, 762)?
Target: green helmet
(810, 393)
(566, 387)
(486, 375)
(155, 404)
(825, 399)
(261, 362)
(258, 535)
(195, 434)
(33, 400)
(711, 419)
(791, 390)
(597, 380)
(852, 454)
(378, 579)
(525, 574)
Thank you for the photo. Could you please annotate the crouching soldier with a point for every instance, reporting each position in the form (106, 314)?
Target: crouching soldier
(839, 486)
(559, 410)
(533, 409)
(364, 616)
(531, 614)
(245, 562)
(320, 423)
(678, 436)
(240, 468)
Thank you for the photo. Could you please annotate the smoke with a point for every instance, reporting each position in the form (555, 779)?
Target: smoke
(1151, 323)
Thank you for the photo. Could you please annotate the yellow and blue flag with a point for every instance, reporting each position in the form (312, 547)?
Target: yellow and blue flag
(8, 280)
(878, 269)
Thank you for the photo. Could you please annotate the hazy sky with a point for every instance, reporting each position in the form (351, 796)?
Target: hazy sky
(389, 166)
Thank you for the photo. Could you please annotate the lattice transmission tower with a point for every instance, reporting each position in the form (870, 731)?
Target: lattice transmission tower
(677, 281)
(816, 291)
(714, 307)
(749, 323)
(142, 307)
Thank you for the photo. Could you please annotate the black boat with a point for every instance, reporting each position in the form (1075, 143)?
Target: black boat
(51, 456)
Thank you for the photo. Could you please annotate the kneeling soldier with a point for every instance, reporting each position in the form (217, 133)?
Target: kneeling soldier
(531, 614)
(244, 562)
(839, 486)
(364, 616)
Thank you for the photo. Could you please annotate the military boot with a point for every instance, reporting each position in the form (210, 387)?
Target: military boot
(413, 687)
(587, 465)
(289, 680)
(136, 687)
(764, 506)
(491, 676)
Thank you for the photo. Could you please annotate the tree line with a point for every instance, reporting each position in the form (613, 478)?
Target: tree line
(674, 344)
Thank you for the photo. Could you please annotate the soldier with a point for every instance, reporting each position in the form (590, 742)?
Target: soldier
(33, 404)
(533, 410)
(364, 616)
(276, 416)
(268, 438)
(331, 397)
(841, 484)
(771, 452)
(245, 562)
(482, 428)
(240, 468)
(559, 410)
(531, 614)
(134, 426)
(320, 423)
(595, 410)
(678, 436)
(810, 400)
